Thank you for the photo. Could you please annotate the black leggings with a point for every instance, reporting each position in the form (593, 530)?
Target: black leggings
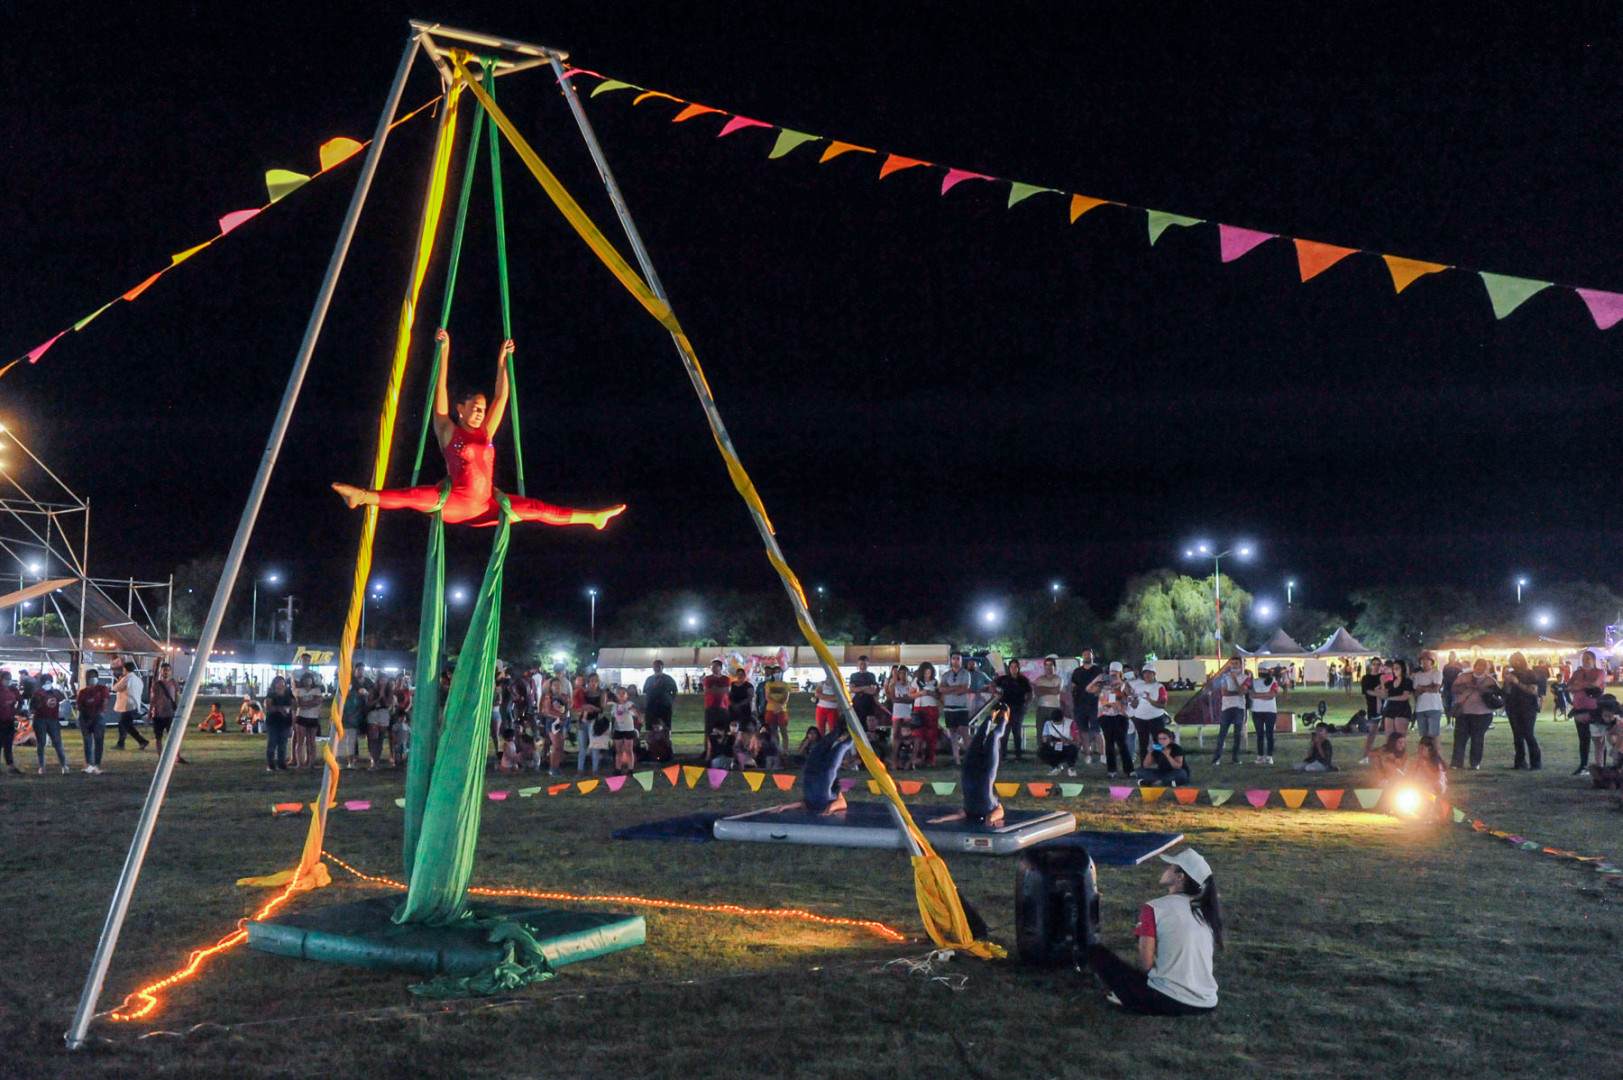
(1115, 729)
(1133, 988)
(1581, 720)
(8, 735)
(1264, 723)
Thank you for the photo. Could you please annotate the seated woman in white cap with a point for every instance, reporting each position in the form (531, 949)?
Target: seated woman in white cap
(1177, 934)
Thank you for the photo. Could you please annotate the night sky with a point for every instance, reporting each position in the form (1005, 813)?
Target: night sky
(941, 400)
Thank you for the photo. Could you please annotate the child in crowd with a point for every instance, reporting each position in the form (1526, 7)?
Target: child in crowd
(529, 751)
(1320, 752)
(1391, 761)
(626, 723)
(747, 746)
(722, 745)
(768, 752)
(807, 743)
(510, 760)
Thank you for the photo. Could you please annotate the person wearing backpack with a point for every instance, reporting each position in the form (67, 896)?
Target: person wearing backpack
(165, 695)
(1476, 696)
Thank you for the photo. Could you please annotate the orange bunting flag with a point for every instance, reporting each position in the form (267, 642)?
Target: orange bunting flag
(1294, 797)
(1330, 798)
(337, 151)
(1039, 789)
(139, 289)
(287, 808)
(557, 789)
(1150, 794)
(672, 773)
(910, 787)
(1185, 795)
(694, 110)
(1405, 271)
(835, 149)
(1315, 258)
(893, 163)
(646, 94)
(1081, 204)
(587, 786)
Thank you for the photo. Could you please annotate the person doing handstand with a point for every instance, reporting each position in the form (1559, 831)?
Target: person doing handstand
(820, 778)
(468, 444)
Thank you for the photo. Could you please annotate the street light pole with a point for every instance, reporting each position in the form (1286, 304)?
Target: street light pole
(1244, 552)
(1289, 585)
(593, 594)
(1520, 583)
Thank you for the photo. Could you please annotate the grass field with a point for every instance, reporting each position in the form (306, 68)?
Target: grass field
(1359, 945)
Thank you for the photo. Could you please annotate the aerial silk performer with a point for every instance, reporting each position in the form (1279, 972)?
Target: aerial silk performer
(820, 778)
(468, 444)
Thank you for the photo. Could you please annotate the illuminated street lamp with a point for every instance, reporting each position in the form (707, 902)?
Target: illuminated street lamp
(1521, 583)
(593, 594)
(1204, 550)
(253, 629)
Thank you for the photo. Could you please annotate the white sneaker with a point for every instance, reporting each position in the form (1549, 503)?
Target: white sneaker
(42, 770)
(1054, 771)
(91, 769)
(1070, 772)
(65, 770)
(1270, 759)
(1364, 760)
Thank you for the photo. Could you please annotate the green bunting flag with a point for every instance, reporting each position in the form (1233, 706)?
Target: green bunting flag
(1459, 815)
(610, 85)
(1218, 796)
(84, 322)
(1019, 192)
(1160, 221)
(788, 140)
(1509, 293)
(1368, 797)
(646, 779)
(1070, 791)
(280, 183)
(943, 787)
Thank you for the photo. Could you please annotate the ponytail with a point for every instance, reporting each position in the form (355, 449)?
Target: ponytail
(1208, 908)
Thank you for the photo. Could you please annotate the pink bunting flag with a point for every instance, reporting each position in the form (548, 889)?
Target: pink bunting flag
(496, 796)
(738, 123)
(358, 804)
(1120, 793)
(572, 72)
(715, 776)
(1259, 799)
(39, 350)
(896, 163)
(847, 784)
(1236, 241)
(955, 177)
(1606, 307)
(614, 783)
(235, 218)
(694, 110)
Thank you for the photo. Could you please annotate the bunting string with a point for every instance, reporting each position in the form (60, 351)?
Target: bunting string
(279, 184)
(1505, 293)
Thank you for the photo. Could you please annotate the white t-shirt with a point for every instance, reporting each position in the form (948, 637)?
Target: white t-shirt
(1262, 704)
(1183, 953)
(309, 703)
(926, 691)
(1057, 730)
(1047, 687)
(1428, 688)
(1151, 696)
(625, 717)
(1232, 686)
(902, 710)
(129, 693)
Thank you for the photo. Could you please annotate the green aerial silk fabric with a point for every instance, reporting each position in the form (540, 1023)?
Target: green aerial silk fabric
(425, 704)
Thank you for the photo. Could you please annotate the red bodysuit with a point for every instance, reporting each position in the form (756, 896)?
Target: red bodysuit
(470, 462)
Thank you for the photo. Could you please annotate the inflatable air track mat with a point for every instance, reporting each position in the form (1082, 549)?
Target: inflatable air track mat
(363, 934)
(870, 825)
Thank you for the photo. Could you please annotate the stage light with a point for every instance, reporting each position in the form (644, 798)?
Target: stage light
(1407, 801)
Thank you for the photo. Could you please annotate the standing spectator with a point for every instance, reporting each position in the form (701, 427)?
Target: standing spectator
(626, 723)
(740, 699)
(165, 700)
(554, 718)
(1451, 671)
(1370, 685)
(307, 723)
(1147, 701)
(1016, 690)
(1397, 697)
(828, 706)
(1085, 707)
(45, 704)
(1111, 691)
(377, 722)
(1232, 685)
(127, 704)
(1473, 713)
(899, 689)
(400, 722)
(955, 683)
(592, 724)
(280, 705)
(775, 707)
(926, 712)
(716, 686)
(11, 700)
(1048, 687)
(92, 703)
(1265, 691)
(1522, 702)
(354, 718)
(1428, 697)
(1585, 684)
(658, 696)
(979, 681)
(863, 686)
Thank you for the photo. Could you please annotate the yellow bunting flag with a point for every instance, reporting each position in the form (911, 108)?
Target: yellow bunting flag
(835, 149)
(1405, 271)
(1152, 793)
(873, 786)
(692, 773)
(754, 780)
(646, 94)
(176, 260)
(1294, 797)
(337, 151)
(84, 322)
(280, 183)
(611, 85)
(587, 786)
(1081, 204)
(1007, 790)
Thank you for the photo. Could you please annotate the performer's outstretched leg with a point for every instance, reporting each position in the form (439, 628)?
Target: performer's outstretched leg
(424, 499)
(536, 510)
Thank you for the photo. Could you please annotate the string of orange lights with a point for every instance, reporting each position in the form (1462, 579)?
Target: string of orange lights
(143, 1002)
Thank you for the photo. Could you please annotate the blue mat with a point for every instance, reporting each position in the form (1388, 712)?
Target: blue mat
(695, 828)
(1117, 848)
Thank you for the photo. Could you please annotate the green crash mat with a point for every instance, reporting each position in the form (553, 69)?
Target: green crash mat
(363, 934)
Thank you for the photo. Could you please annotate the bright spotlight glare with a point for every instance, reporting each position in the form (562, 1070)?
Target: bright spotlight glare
(1407, 800)
(1265, 610)
(989, 616)
(1245, 552)
(1544, 620)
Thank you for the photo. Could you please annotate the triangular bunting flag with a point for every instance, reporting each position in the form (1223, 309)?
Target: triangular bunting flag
(1234, 242)
(1185, 795)
(1019, 192)
(955, 177)
(572, 72)
(646, 94)
(84, 322)
(672, 773)
(280, 183)
(401, 803)
(1150, 794)
(1459, 815)
(692, 773)
(847, 784)
(1039, 790)
(1606, 307)
(1081, 204)
(873, 787)
(755, 780)
(337, 151)
(235, 218)
(1160, 221)
(358, 804)
(716, 777)
(557, 789)
(611, 85)
(1070, 791)
(131, 295)
(1405, 271)
(691, 111)
(287, 808)
(39, 350)
(1257, 798)
(646, 779)
(1331, 798)
(1219, 796)
(785, 781)
(788, 140)
(1509, 293)
(176, 260)
(614, 783)
(1294, 797)
(1529, 845)
(1367, 797)
(943, 787)
(835, 149)
(1315, 258)
(496, 796)
(587, 786)
(893, 163)
(528, 792)
(1120, 793)
(910, 787)
(1008, 791)
(738, 123)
